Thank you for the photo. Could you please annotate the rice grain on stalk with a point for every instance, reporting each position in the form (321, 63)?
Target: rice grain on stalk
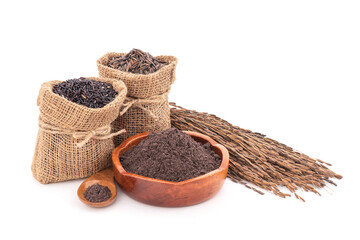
(256, 159)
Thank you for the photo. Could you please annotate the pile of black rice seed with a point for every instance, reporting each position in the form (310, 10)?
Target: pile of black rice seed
(87, 92)
(137, 61)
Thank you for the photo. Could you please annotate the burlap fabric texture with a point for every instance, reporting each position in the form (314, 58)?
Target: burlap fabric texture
(74, 141)
(146, 107)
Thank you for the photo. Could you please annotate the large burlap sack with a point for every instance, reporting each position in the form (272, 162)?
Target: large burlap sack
(146, 108)
(73, 141)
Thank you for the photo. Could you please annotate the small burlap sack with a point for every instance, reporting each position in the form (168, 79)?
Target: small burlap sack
(74, 141)
(146, 108)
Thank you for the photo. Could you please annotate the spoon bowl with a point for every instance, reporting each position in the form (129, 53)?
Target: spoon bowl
(104, 178)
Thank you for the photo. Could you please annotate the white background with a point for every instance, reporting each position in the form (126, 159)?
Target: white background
(288, 69)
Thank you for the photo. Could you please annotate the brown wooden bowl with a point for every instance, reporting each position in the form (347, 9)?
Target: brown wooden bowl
(166, 193)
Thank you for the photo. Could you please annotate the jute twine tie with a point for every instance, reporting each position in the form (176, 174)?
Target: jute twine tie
(139, 103)
(100, 133)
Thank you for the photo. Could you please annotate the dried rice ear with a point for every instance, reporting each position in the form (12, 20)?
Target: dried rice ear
(256, 159)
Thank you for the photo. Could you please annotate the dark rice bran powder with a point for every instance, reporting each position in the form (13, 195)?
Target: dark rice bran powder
(97, 193)
(170, 155)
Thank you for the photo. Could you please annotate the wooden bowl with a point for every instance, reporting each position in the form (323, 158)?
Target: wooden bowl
(166, 193)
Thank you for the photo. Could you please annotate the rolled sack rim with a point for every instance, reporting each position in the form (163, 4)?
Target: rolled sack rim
(171, 60)
(119, 87)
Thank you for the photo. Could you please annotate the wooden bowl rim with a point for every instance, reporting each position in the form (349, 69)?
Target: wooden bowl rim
(118, 167)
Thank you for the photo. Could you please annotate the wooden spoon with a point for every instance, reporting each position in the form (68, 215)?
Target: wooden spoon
(105, 178)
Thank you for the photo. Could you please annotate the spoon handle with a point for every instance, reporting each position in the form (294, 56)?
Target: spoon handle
(106, 174)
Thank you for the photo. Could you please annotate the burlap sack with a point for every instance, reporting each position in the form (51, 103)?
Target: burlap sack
(73, 141)
(146, 108)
